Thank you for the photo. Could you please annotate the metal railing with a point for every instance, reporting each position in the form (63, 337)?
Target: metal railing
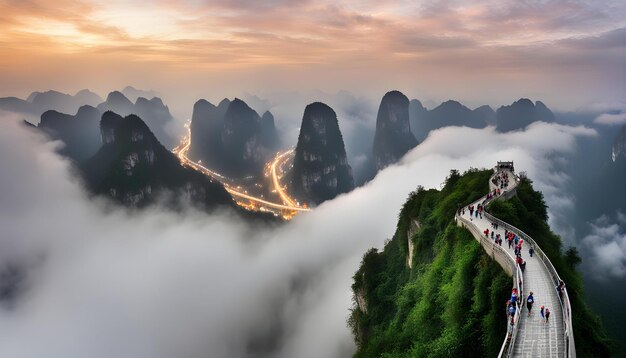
(514, 269)
(566, 308)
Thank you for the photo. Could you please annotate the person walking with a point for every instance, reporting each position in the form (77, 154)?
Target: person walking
(529, 302)
(531, 251)
(559, 289)
(547, 315)
(542, 311)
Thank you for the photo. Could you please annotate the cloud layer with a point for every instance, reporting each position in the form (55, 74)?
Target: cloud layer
(607, 242)
(99, 281)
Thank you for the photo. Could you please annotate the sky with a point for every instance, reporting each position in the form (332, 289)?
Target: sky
(567, 53)
(102, 281)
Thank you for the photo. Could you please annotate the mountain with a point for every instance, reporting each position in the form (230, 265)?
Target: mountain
(434, 292)
(80, 133)
(243, 153)
(393, 137)
(417, 115)
(520, 114)
(320, 168)
(39, 102)
(62, 102)
(156, 114)
(133, 168)
(449, 113)
(133, 93)
(86, 97)
(486, 113)
(618, 151)
(118, 103)
(268, 134)
(207, 122)
(14, 104)
(232, 138)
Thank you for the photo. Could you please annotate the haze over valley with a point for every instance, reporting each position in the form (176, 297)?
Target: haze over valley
(295, 179)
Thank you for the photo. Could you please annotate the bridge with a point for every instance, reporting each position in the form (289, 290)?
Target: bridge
(528, 336)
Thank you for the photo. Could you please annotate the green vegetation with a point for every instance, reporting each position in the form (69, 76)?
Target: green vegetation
(452, 301)
(528, 212)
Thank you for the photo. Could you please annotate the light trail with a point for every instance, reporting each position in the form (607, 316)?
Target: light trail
(181, 152)
(279, 189)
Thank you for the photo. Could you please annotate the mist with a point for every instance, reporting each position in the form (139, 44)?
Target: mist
(98, 280)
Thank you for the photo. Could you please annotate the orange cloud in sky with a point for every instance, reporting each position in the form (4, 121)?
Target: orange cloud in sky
(324, 43)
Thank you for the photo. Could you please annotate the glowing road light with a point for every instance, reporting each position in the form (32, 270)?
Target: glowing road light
(287, 211)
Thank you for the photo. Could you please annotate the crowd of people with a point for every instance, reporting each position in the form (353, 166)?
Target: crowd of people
(515, 242)
(501, 180)
(475, 211)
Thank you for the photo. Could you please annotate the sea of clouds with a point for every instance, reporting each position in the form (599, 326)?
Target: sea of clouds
(99, 281)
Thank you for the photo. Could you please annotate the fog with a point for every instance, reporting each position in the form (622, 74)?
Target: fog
(100, 281)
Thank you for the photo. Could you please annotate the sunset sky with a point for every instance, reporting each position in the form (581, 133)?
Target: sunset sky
(566, 52)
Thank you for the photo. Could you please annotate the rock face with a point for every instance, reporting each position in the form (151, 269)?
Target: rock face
(417, 118)
(522, 113)
(232, 138)
(450, 113)
(393, 136)
(133, 168)
(154, 112)
(485, 114)
(320, 168)
(619, 146)
(80, 132)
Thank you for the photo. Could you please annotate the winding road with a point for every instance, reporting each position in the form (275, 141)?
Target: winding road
(287, 209)
(530, 336)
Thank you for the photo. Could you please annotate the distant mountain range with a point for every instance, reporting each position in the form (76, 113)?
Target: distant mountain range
(401, 124)
(522, 113)
(80, 132)
(232, 138)
(449, 113)
(39, 102)
(320, 168)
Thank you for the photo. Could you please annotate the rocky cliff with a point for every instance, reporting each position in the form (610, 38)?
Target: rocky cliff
(417, 115)
(154, 112)
(80, 133)
(133, 168)
(520, 114)
(232, 138)
(393, 137)
(320, 169)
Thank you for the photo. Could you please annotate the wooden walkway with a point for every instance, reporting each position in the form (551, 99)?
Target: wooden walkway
(534, 337)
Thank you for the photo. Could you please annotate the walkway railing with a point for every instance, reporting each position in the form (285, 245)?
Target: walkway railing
(566, 307)
(498, 253)
(507, 262)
